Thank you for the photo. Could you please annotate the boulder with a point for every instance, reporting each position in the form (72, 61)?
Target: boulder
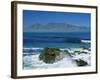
(81, 62)
(49, 55)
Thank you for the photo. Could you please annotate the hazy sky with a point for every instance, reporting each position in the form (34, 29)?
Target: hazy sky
(43, 17)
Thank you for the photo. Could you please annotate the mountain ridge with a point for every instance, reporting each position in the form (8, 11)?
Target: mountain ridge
(56, 27)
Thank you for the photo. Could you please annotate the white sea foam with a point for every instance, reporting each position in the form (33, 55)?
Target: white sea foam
(85, 41)
(33, 62)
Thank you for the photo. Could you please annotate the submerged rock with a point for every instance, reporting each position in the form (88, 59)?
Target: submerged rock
(67, 53)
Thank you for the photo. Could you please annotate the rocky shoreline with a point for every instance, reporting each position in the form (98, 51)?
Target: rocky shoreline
(58, 57)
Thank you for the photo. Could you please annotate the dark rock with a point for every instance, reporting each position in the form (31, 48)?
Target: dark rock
(49, 55)
(81, 62)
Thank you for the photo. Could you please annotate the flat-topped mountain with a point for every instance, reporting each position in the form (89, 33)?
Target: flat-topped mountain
(56, 27)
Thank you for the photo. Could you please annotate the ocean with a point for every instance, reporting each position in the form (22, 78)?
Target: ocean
(56, 40)
(31, 58)
(34, 43)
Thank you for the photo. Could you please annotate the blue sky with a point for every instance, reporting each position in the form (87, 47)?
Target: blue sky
(43, 17)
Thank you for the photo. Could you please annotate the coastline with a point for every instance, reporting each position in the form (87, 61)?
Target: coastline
(31, 61)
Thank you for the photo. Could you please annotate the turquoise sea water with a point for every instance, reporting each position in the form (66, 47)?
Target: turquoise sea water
(58, 40)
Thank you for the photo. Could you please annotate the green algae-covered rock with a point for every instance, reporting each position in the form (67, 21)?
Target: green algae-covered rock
(49, 55)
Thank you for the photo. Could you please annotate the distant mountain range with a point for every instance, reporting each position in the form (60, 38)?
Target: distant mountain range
(56, 27)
